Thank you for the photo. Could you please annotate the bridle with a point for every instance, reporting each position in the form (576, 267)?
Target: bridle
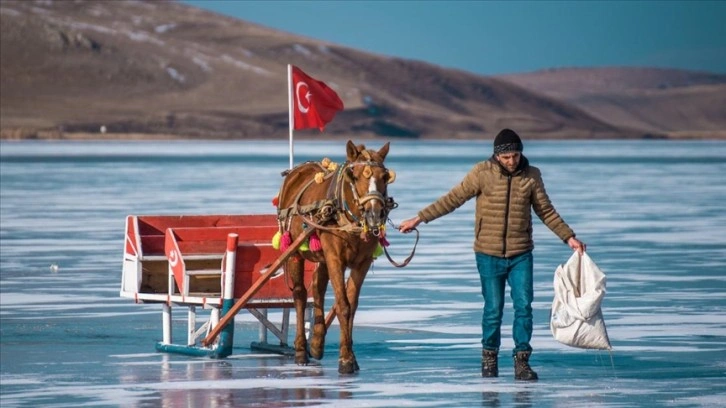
(371, 222)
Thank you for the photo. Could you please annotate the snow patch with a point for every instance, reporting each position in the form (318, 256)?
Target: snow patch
(164, 28)
(9, 12)
(241, 64)
(143, 37)
(93, 27)
(39, 10)
(202, 63)
(301, 49)
(175, 75)
(98, 11)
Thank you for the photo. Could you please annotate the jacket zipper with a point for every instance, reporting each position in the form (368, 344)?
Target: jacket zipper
(506, 216)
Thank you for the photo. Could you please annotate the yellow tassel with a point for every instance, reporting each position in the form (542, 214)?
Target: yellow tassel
(305, 246)
(325, 162)
(378, 251)
(276, 240)
(332, 166)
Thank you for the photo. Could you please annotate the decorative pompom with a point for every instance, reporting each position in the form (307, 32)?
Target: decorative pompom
(332, 166)
(315, 244)
(285, 241)
(383, 241)
(276, 240)
(305, 246)
(325, 162)
(276, 200)
(319, 177)
(391, 176)
(378, 251)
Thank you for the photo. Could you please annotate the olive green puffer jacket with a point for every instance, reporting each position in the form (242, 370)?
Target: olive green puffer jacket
(504, 203)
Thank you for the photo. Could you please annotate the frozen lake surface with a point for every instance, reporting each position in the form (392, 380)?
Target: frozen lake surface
(651, 212)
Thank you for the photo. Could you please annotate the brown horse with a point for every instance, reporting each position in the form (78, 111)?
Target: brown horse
(348, 206)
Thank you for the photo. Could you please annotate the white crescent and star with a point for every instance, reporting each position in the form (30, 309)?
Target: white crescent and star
(173, 258)
(308, 95)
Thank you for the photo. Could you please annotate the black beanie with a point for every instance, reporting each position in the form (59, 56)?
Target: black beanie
(507, 141)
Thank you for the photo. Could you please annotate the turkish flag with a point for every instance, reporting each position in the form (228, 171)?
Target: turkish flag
(314, 103)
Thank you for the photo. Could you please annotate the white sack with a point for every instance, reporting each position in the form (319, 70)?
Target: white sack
(576, 318)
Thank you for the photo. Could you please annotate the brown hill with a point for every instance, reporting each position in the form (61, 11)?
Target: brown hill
(675, 102)
(170, 70)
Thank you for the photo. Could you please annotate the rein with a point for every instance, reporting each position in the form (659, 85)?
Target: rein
(405, 261)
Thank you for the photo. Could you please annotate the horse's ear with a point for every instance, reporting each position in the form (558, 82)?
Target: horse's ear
(352, 151)
(384, 150)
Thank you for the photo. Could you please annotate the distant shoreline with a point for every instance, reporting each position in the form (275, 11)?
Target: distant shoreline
(10, 135)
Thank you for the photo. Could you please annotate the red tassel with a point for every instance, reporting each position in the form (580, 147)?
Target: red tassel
(276, 200)
(285, 241)
(315, 244)
(383, 241)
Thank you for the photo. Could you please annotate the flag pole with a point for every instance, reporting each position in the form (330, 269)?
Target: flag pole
(291, 117)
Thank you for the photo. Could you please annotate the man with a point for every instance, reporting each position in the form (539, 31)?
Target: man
(507, 189)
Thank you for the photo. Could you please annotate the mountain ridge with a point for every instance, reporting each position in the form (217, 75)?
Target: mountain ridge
(656, 100)
(168, 70)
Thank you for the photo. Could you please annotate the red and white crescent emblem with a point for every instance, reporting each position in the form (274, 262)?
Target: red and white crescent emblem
(302, 89)
(173, 259)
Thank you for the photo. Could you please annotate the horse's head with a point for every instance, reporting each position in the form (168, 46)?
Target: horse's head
(369, 179)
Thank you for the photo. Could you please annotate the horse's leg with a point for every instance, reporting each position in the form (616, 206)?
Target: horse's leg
(353, 288)
(336, 272)
(295, 270)
(320, 285)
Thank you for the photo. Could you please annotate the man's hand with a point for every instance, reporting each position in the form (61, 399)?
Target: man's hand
(576, 245)
(409, 224)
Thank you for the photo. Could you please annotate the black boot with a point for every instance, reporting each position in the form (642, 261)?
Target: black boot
(489, 363)
(522, 370)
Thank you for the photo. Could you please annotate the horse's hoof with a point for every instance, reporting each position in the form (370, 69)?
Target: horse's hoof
(317, 350)
(316, 354)
(301, 359)
(348, 367)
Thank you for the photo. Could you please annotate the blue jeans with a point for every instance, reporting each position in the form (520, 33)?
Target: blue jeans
(495, 273)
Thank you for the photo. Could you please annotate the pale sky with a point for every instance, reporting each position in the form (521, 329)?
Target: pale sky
(501, 37)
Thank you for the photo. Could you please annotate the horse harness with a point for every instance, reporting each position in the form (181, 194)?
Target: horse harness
(334, 206)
